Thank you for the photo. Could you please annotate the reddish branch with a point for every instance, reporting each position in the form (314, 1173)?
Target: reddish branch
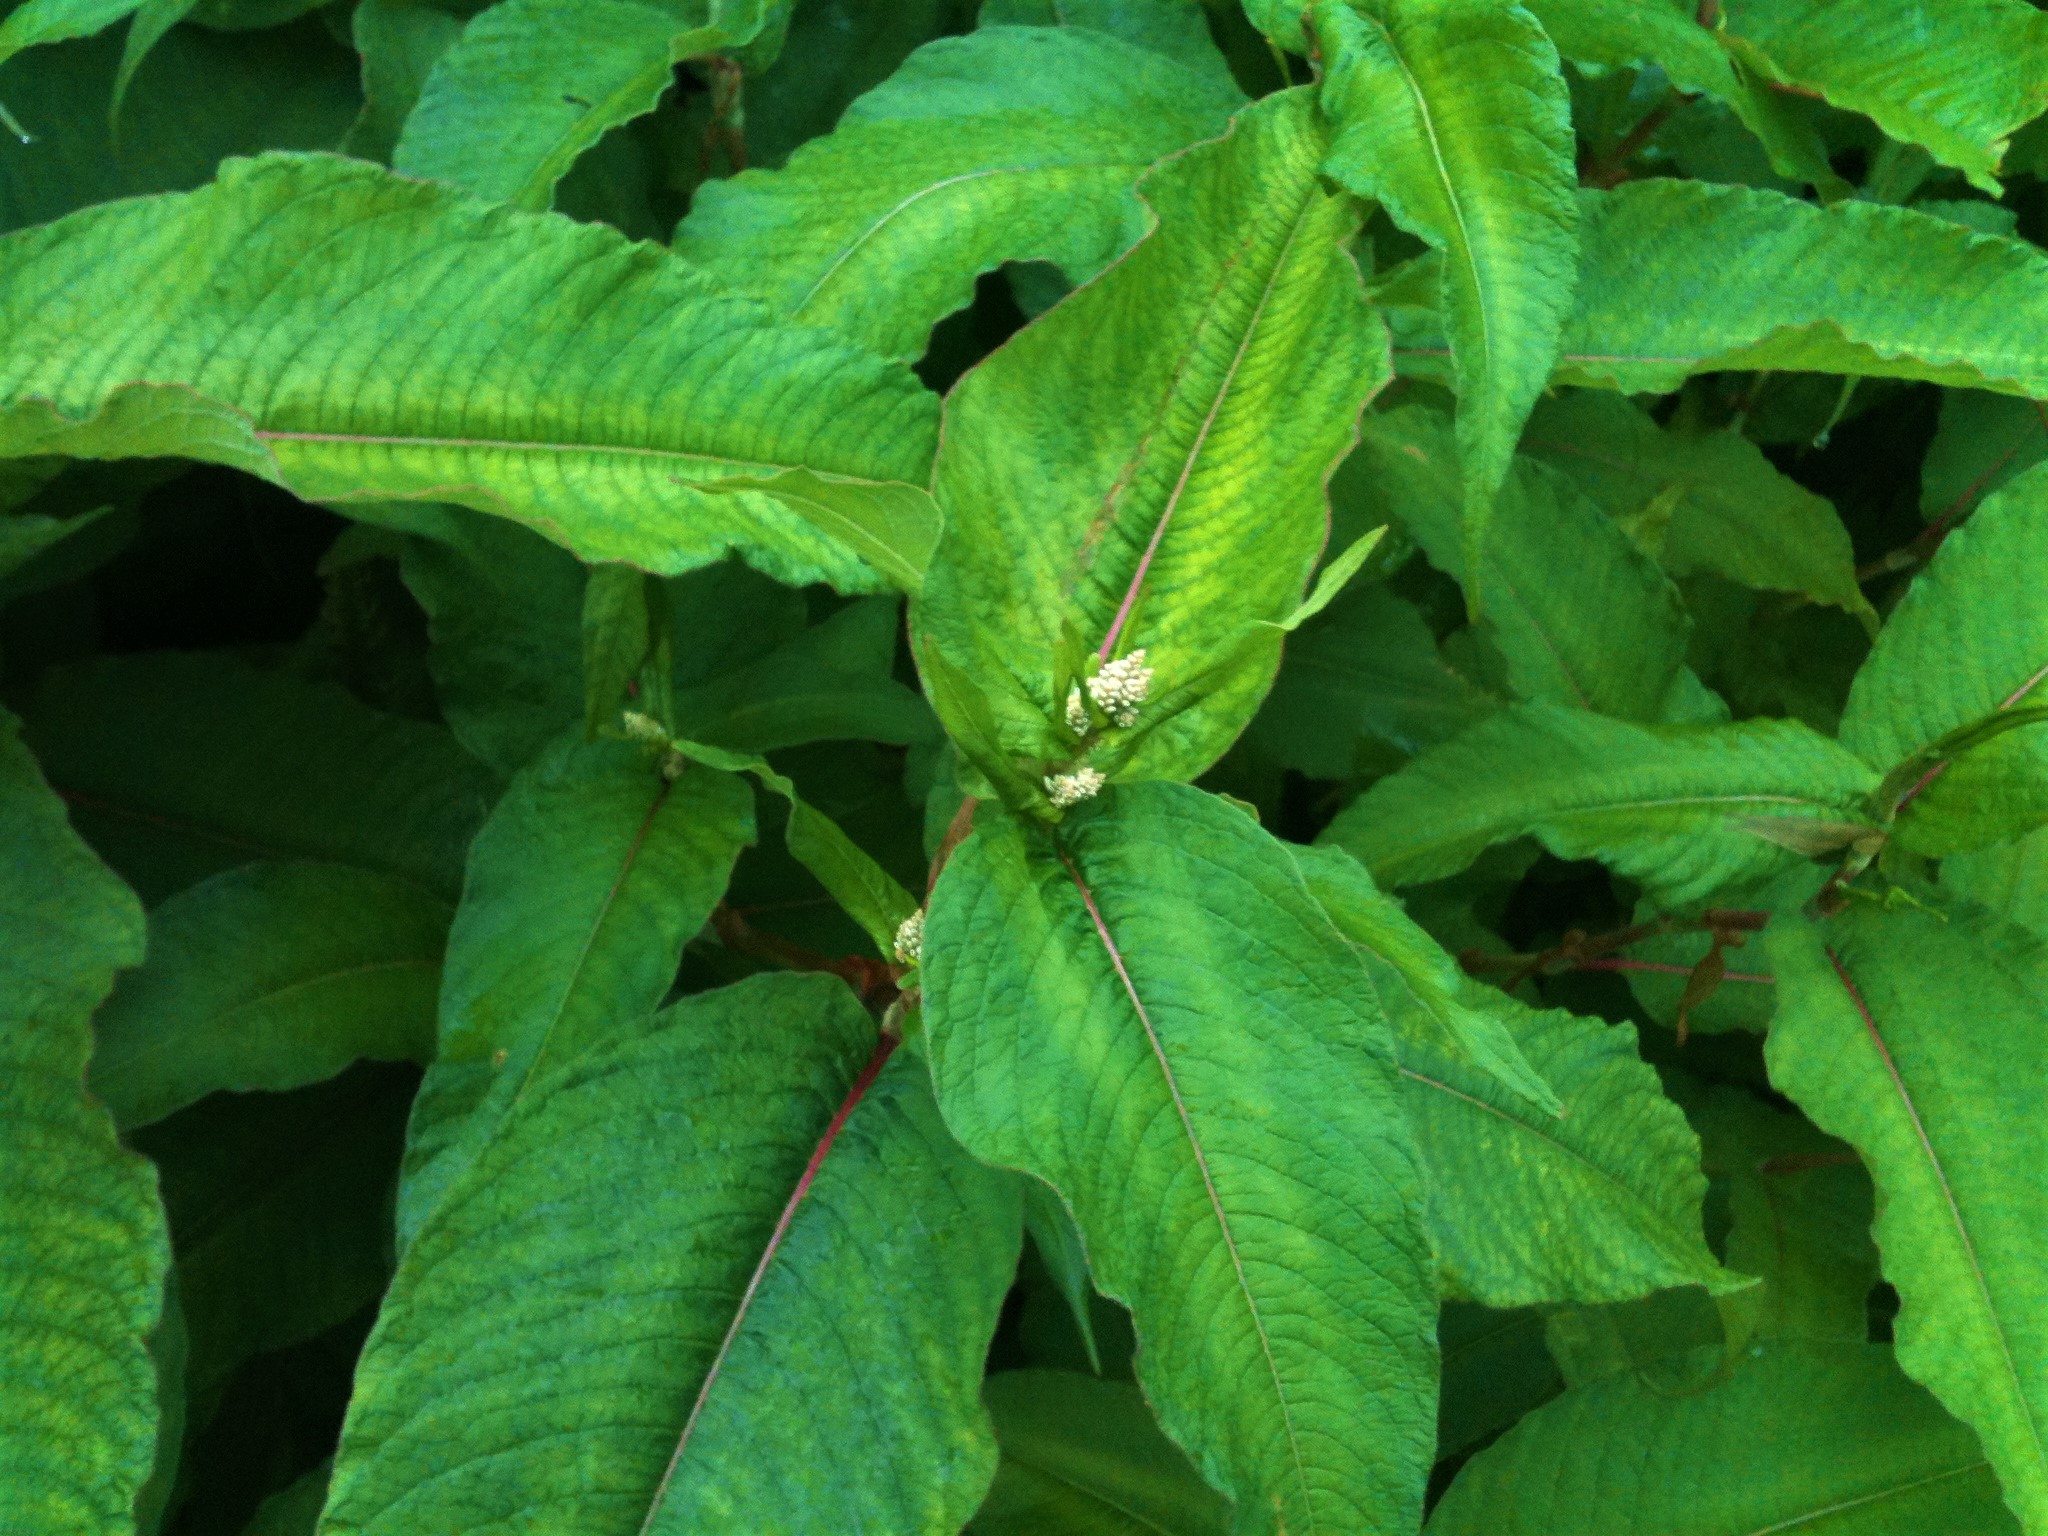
(1727, 928)
(874, 980)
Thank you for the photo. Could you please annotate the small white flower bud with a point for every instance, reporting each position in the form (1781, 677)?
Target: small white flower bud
(910, 938)
(1077, 712)
(1120, 687)
(643, 727)
(1065, 789)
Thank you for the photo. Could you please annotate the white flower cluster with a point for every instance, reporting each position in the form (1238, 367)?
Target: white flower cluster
(1120, 687)
(1065, 789)
(910, 938)
(1077, 712)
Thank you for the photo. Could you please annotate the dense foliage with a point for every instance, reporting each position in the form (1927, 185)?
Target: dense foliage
(1056, 767)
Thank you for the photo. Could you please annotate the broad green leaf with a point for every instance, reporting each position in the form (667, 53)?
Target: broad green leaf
(205, 96)
(1955, 76)
(1759, 280)
(441, 349)
(1725, 508)
(1147, 1009)
(1013, 144)
(296, 1510)
(1984, 440)
(1598, 1203)
(531, 84)
(54, 21)
(399, 41)
(1366, 671)
(270, 977)
(280, 1213)
(1826, 1437)
(1918, 1040)
(1145, 464)
(2010, 879)
(1967, 644)
(1453, 116)
(1410, 969)
(1083, 1457)
(82, 1270)
(1280, 20)
(592, 873)
(178, 766)
(1176, 28)
(1496, 1369)
(1799, 1206)
(799, 1274)
(1629, 34)
(1687, 811)
(1578, 614)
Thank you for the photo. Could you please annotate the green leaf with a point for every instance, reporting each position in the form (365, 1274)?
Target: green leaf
(531, 84)
(1176, 28)
(1410, 969)
(892, 527)
(865, 891)
(1800, 1208)
(441, 349)
(1827, 1436)
(1453, 116)
(1368, 669)
(1954, 76)
(52, 21)
(1083, 1457)
(178, 766)
(1967, 644)
(1679, 278)
(296, 1510)
(1600, 1202)
(617, 637)
(583, 887)
(1053, 1233)
(1162, 435)
(799, 1274)
(1600, 628)
(82, 1271)
(1496, 1369)
(205, 96)
(1983, 441)
(280, 1213)
(1331, 579)
(2010, 879)
(1917, 1040)
(399, 41)
(1629, 34)
(1731, 513)
(1147, 1009)
(1688, 811)
(270, 977)
(1013, 144)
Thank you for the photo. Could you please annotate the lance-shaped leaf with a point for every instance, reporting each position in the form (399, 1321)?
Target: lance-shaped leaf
(82, 1270)
(1147, 1009)
(1709, 502)
(2010, 879)
(1629, 34)
(1953, 76)
(1398, 953)
(1578, 613)
(1966, 649)
(583, 887)
(1144, 467)
(723, 1270)
(531, 84)
(1453, 116)
(269, 977)
(1688, 811)
(1918, 1040)
(1083, 1457)
(1759, 280)
(1792, 1437)
(1013, 144)
(1599, 1201)
(352, 334)
(177, 766)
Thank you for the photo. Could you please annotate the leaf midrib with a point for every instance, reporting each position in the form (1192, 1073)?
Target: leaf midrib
(1194, 1142)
